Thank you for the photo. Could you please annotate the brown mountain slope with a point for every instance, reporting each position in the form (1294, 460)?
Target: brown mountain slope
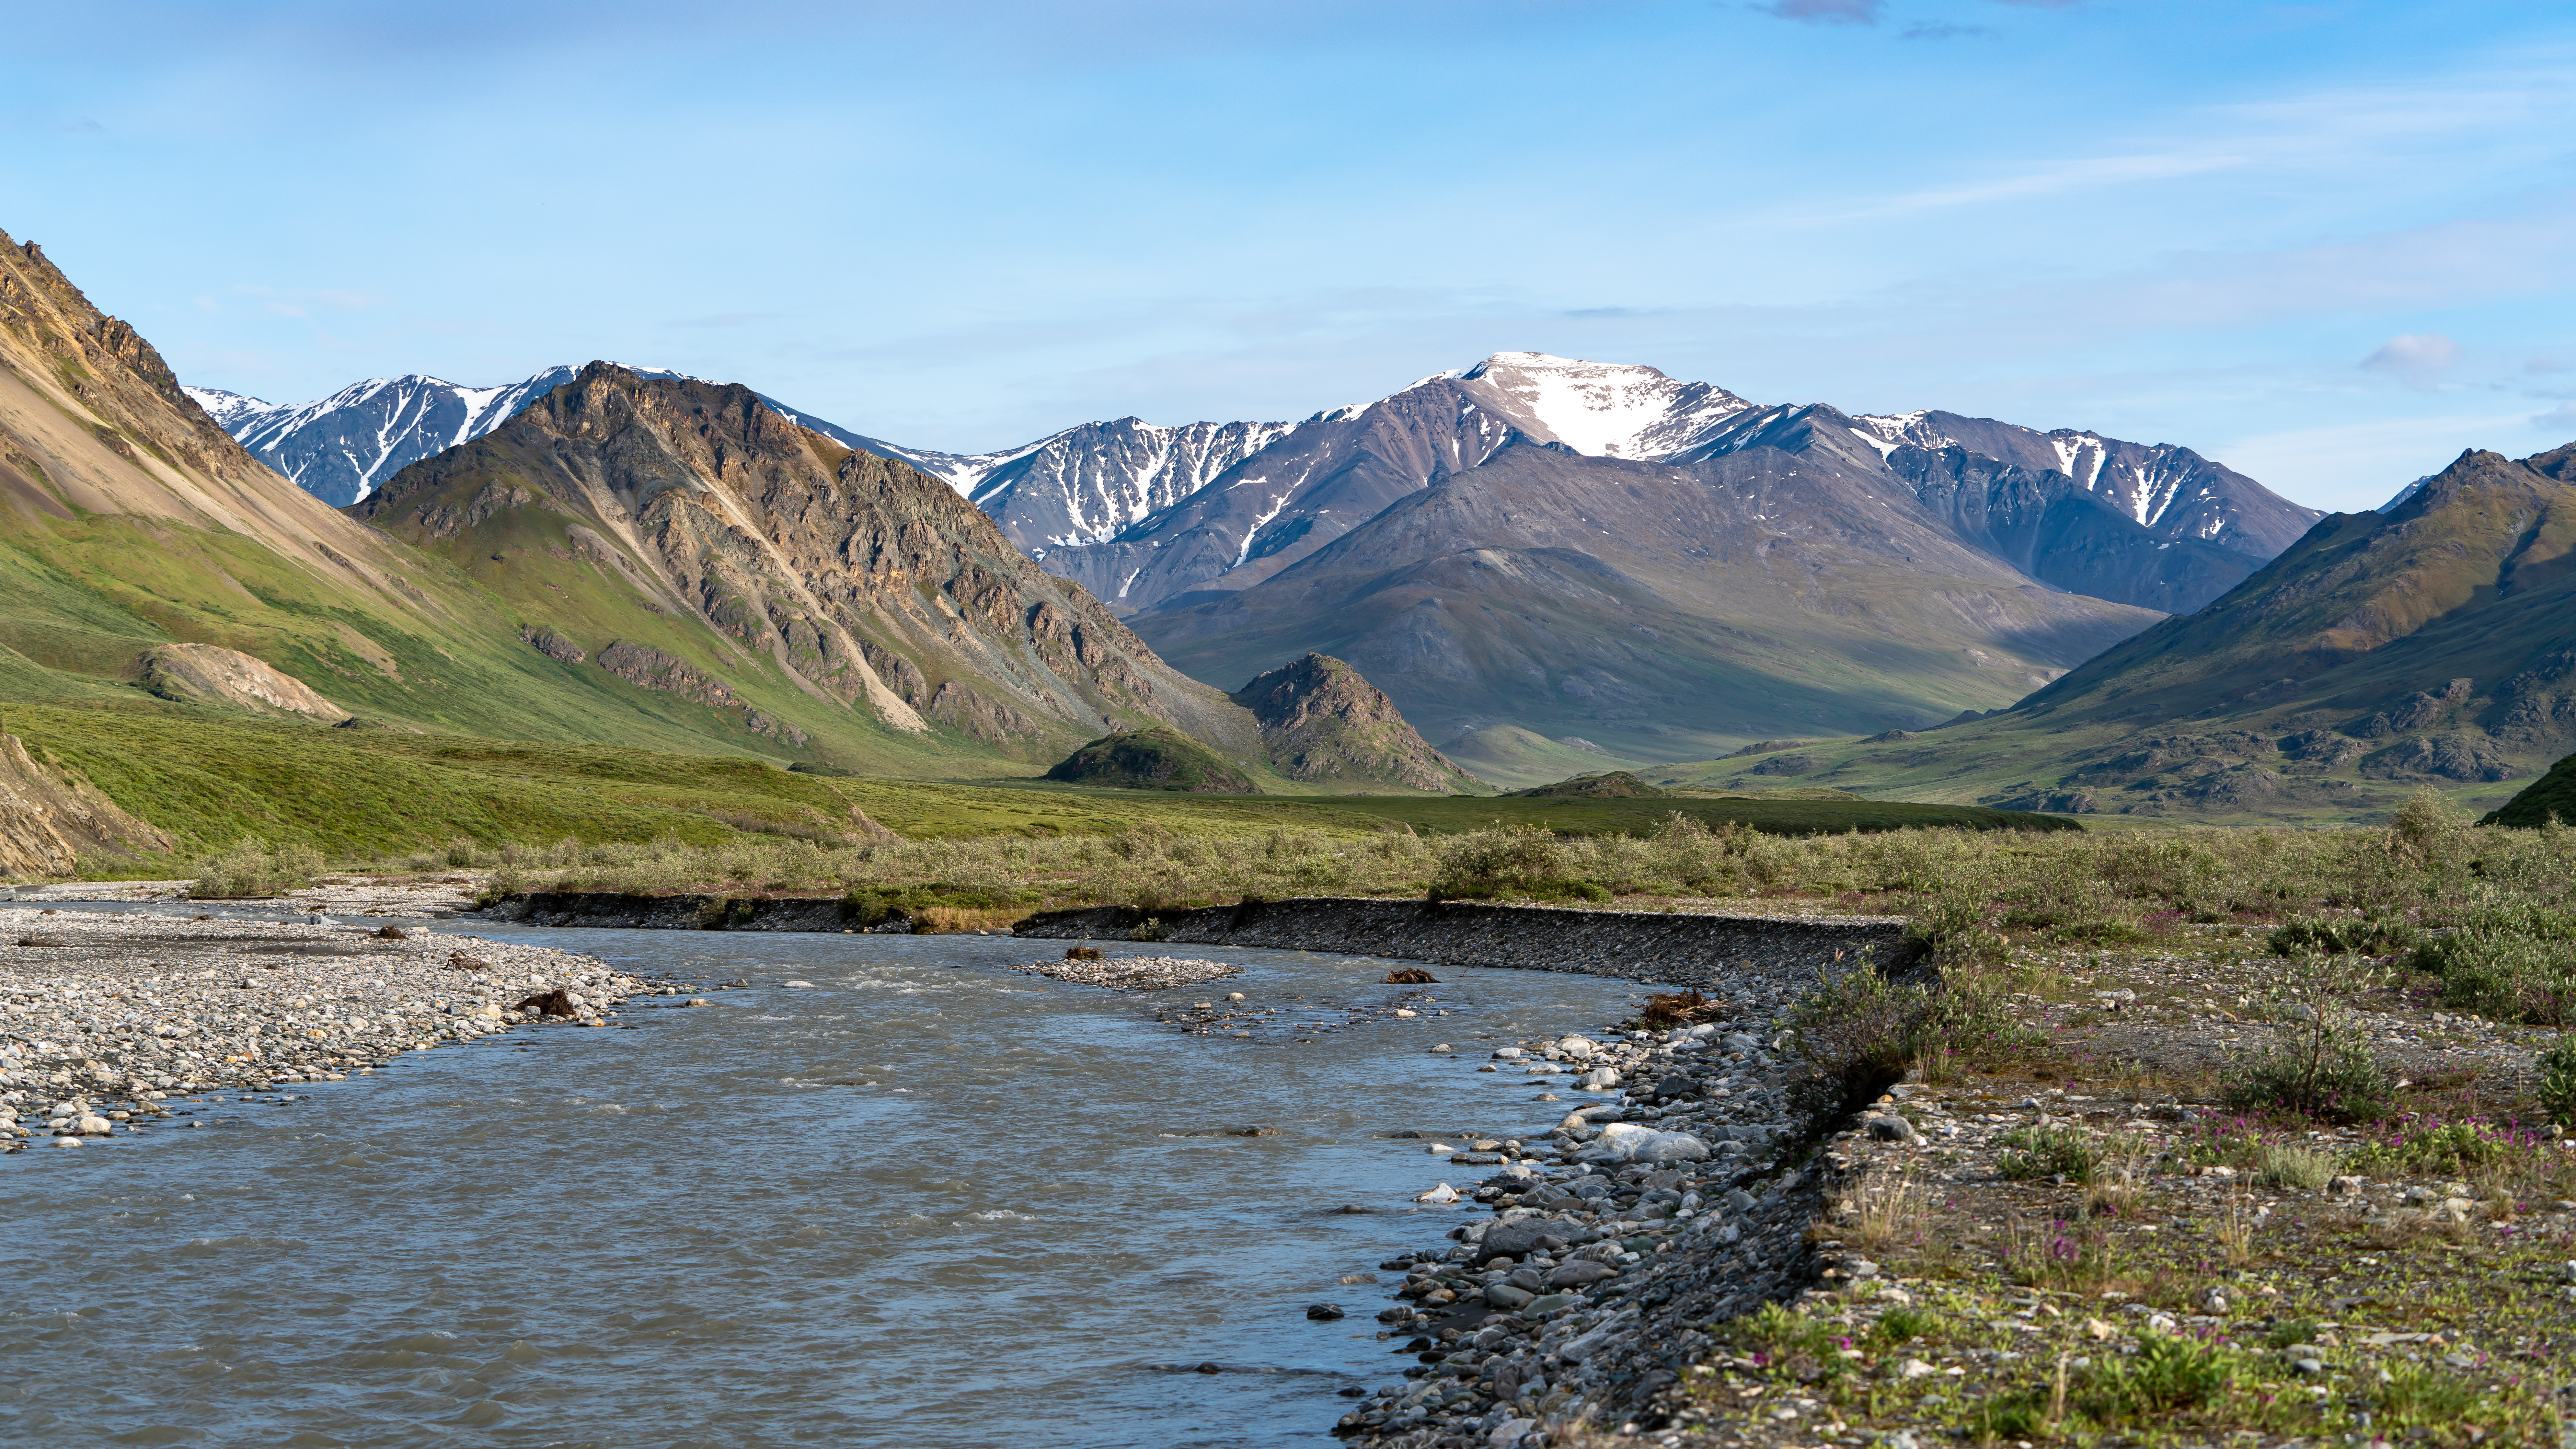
(1324, 724)
(1664, 611)
(687, 537)
(2434, 644)
(92, 424)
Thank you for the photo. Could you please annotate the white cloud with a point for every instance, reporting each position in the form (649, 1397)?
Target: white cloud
(2414, 358)
(2560, 419)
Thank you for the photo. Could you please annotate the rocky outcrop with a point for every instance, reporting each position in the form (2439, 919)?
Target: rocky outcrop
(212, 674)
(649, 668)
(1323, 723)
(552, 645)
(49, 819)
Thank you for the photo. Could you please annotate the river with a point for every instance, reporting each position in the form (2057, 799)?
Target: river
(923, 1201)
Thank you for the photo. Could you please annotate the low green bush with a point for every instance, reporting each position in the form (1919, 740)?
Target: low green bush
(2284, 1166)
(2035, 1152)
(250, 868)
(2558, 1082)
(2511, 962)
(2342, 936)
(2166, 1374)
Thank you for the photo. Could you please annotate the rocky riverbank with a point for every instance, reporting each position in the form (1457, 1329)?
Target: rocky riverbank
(1664, 1199)
(103, 1016)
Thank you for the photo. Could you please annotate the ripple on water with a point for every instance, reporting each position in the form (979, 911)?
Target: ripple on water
(1039, 1222)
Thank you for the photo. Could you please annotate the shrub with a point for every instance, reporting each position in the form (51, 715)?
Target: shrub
(251, 868)
(2285, 1166)
(2341, 936)
(2558, 1082)
(1525, 861)
(2328, 1078)
(1149, 929)
(2316, 1064)
(2164, 1375)
(2046, 1152)
(1855, 1036)
(1903, 1325)
(2511, 962)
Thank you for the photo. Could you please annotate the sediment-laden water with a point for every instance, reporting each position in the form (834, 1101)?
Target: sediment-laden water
(922, 1201)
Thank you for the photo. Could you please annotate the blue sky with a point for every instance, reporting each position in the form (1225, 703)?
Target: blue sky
(2330, 244)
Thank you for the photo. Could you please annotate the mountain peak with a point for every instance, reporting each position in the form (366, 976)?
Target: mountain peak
(1606, 409)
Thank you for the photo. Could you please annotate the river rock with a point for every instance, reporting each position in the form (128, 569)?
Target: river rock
(1518, 1240)
(1507, 1297)
(1629, 1142)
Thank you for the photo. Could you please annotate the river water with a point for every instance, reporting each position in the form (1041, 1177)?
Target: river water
(924, 1201)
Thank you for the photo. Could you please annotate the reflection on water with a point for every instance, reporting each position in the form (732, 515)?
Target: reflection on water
(924, 1202)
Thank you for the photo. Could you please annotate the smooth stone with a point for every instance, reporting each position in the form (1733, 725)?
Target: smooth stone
(1580, 1274)
(1504, 1295)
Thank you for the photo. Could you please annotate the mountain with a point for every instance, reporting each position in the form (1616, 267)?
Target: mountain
(150, 567)
(2432, 644)
(339, 448)
(1324, 724)
(1087, 484)
(1659, 610)
(1311, 483)
(686, 537)
(2156, 526)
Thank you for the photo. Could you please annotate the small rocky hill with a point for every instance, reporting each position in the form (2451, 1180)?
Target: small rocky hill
(1610, 785)
(1323, 724)
(1152, 760)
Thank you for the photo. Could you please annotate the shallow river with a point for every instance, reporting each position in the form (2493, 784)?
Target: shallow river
(926, 1202)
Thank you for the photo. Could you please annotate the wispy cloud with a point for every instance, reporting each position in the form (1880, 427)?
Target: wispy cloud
(2417, 359)
(1828, 12)
(1944, 30)
(2560, 419)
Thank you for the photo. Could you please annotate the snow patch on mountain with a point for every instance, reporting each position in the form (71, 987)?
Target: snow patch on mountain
(1608, 410)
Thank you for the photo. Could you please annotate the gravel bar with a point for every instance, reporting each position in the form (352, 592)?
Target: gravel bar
(1134, 973)
(103, 1016)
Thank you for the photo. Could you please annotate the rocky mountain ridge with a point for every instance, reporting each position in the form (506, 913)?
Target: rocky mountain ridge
(2430, 644)
(341, 446)
(687, 522)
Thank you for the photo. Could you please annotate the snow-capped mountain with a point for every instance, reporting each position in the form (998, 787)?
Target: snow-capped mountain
(2170, 490)
(338, 448)
(1087, 484)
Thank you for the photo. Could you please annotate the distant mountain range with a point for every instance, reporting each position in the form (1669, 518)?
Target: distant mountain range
(1815, 572)
(1146, 515)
